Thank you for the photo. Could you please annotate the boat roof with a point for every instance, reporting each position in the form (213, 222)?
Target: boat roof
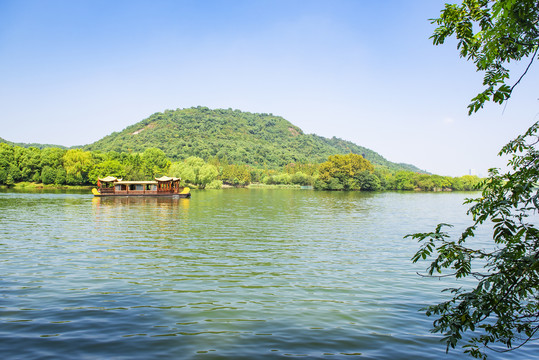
(120, 181)
(109, 179)
(135, 182)
(166, 178)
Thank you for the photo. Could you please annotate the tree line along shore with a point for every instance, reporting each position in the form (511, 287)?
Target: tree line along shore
(58, 167)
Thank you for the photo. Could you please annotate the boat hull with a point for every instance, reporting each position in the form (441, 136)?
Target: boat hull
(185, 196)
(185, 193)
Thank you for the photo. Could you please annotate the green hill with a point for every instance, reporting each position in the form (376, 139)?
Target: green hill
(27, 145)
(240, 137)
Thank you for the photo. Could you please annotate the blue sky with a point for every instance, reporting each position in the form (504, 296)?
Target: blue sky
(72, 72)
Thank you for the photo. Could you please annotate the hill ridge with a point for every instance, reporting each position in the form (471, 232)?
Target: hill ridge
(27, 145)
(257, 139)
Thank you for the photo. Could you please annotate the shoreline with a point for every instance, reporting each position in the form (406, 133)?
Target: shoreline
(33, 185)
(39, 186)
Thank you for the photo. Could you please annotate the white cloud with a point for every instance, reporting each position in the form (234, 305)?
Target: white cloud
(448, 120)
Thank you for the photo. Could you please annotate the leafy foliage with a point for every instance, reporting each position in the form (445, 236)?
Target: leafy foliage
(235, 174)
(503, 308)
(242, 138)
(79, 167)
(491, 34)
(195, 171)
(154, 163)
(504, 305)
(77, 164)
(345, 172)
(28, 145)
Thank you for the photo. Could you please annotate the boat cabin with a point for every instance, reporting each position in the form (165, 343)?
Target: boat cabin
(163, 186)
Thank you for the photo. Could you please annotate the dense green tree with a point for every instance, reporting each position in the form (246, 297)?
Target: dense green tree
(346, 169)
(52, 157)
(195, 170)
(3, 175)
(6, 155)
(466, 183)
(425, 182)
(133, 167)
(206, 174)
(107, 168)
(368, 181)
(48, 175)
(300, 178)
(6, 160)
(14, 174)
(28, 161)
(238, 175)
(469, 182)
(330, 183)
(9, 180)
(404, 180)
(384, 176)
(195, 164)
(183, 171)
(61, 176)
(154, 162)
(282, 178)
(77, 164)
(503, 307)
(215, 184)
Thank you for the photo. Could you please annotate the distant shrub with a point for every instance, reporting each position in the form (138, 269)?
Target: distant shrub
(215, 184)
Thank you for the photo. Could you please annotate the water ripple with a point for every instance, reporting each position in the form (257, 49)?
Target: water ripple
(242, 274)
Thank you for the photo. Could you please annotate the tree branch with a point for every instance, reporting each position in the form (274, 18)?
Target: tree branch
(530, 338)
(527, 68)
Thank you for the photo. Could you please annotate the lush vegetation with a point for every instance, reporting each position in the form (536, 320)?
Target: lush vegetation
(503, 307)
(80, 167)
(242, 138)
(27, 145)
(211, 148)
(502, 311)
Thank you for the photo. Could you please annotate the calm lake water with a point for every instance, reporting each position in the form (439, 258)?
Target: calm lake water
(235, 274)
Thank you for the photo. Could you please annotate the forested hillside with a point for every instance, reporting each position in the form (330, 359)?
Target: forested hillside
(29, 145)
(239, 137)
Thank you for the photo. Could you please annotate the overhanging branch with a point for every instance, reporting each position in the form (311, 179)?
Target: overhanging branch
(527, 68)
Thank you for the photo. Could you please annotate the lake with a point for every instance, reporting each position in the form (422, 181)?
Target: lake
(232, 274)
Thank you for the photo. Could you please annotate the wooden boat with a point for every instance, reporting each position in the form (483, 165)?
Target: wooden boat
(163, 186)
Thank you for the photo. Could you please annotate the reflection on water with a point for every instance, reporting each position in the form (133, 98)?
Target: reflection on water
(138, 200)
(242, 274)
(159, 206)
